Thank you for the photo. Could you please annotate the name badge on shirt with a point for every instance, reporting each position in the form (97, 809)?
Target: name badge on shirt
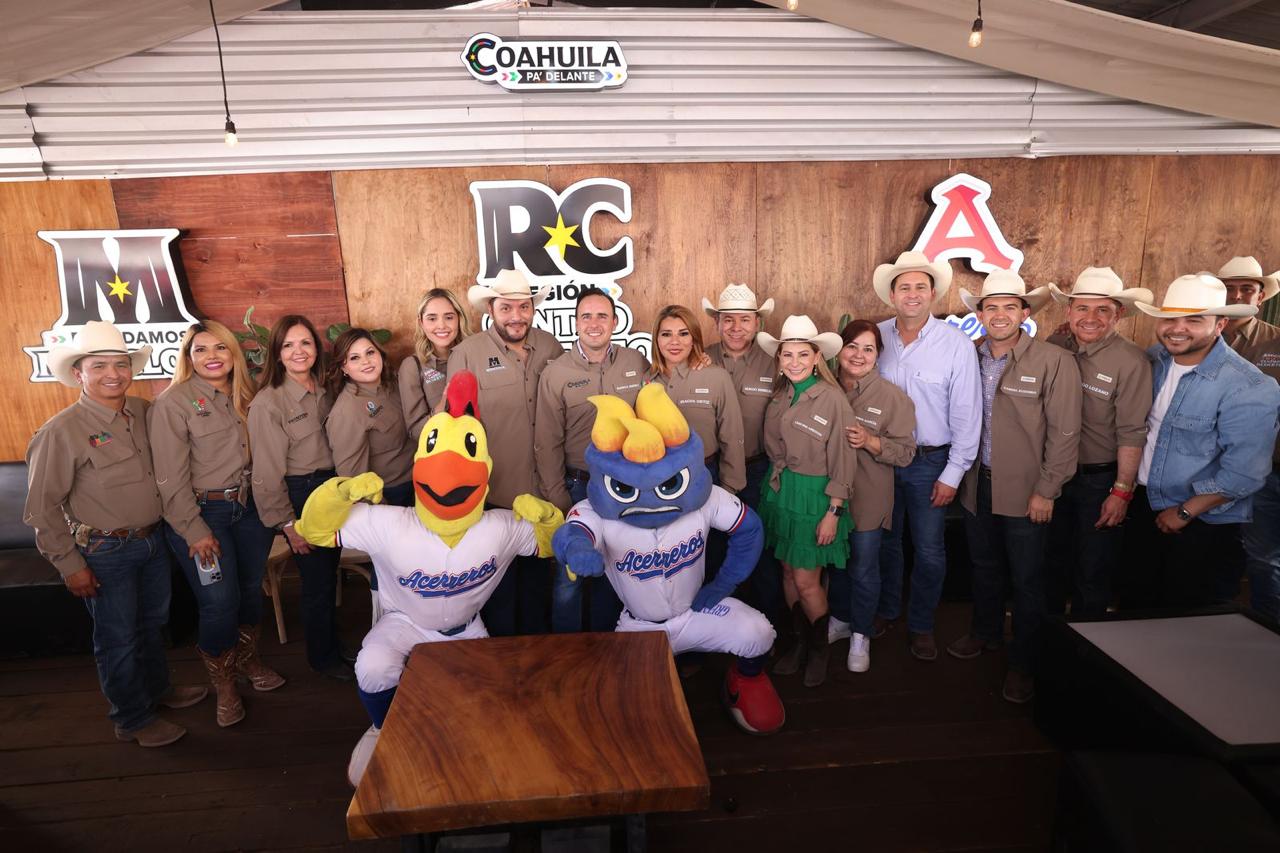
(430, 374)
(373, 408)
(629, 374)
(1105, 378)
(296, 418)
(702, 390)
(820, 419)
(578, 383)
(873, 410)
(1028, 379)
(99, 438)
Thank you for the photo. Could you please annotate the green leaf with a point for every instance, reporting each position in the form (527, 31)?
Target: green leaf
(263, 333)
(381, 335)
(336, 329)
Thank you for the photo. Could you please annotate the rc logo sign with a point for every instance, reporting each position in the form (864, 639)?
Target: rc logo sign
(527, 226)
(545, 65)
(123, 277)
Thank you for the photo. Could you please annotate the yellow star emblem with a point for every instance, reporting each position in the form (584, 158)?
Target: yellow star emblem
(561, 236)
(119, 289)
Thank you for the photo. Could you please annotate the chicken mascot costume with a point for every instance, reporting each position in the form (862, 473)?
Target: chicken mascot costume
(644, 525)
(438, 562)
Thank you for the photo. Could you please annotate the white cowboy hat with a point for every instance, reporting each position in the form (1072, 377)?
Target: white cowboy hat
(508, 284)
(939, 273)
(798, 327)
(737, 297)
(96, 338)
(1102, 283)
(1006, 283)
(1201, 293)
(1249, 268)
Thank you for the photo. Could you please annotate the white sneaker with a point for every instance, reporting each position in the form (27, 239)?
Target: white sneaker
(859, 653)
(361, 754)
(836, 630)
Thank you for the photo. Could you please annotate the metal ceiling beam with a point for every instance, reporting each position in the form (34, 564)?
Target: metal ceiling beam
(1194, 14)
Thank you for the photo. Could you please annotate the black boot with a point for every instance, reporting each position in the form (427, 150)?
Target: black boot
(815, 669)
(790, 661)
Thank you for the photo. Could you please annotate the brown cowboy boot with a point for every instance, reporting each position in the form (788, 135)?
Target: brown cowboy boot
(248, 664)
(815, 668)
(790, 661)
(222, 675)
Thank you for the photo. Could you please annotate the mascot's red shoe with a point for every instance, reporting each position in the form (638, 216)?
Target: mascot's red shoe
(753, 702)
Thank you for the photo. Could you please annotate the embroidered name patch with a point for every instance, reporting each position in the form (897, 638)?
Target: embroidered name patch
(1105, 378)
(494, 361)
(702, 390)
(296, 418)
(820, 419)
(201, 405)
(873, 410)
(629, 374)
(430, 374)
(1028, 378)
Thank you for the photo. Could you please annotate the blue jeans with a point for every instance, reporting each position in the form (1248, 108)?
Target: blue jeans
(1262, 548)
(319, 571)
(131, 607)
(237, 599)
(765, 583)
(912, 495)
(1004, 547)
(566, 595)
(1082, 560)
(855, 592)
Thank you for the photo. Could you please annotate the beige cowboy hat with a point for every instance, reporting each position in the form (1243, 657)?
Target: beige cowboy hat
(939, 272)
(1249, 268)
(1006, 283)
(1201, 293)
(737, 297)
(798, 327)
(1102, 283)
(96, 338)
(508, 284)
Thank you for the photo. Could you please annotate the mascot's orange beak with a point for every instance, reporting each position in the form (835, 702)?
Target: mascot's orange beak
(448, 484)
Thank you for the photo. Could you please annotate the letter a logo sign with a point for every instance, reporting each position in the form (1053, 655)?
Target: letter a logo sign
(962, 226)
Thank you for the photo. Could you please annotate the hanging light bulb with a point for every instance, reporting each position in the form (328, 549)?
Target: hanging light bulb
(229, 129)
(975, 34)
(792, 5)
(230, 135)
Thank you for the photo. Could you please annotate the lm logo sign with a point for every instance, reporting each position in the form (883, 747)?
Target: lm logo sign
(123, 277)
(528, 226)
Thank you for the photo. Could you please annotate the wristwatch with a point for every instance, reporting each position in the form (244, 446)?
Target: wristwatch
(835, 510)
(1183, 514)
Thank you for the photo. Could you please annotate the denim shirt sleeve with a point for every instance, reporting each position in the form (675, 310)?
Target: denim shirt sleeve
(1246, 435)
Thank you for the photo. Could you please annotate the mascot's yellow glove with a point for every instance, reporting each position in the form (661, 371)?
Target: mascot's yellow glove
(545, 517)
(327, 508)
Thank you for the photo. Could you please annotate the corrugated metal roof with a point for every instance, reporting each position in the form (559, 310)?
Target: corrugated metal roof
(359, 90)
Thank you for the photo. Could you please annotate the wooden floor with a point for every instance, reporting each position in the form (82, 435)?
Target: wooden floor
(909, 756)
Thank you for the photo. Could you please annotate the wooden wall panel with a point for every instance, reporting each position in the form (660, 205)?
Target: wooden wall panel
(265, 240)
(32, 301)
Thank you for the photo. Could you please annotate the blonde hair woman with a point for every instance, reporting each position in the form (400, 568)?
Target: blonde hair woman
(200, 447)
(442, 323)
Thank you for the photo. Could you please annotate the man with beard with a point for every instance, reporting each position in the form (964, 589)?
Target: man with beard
(507, 360)
(1028, 450)
(1210, 436)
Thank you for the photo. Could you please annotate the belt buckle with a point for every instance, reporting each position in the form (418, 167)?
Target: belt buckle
(231, 493)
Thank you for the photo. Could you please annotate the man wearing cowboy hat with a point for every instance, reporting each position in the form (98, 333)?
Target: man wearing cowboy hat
(507, 360)
(1085, 537)
(1259, 343)
(93, 501)
(1210, 436)
(738, 316)
(935, 364)
(1029, 443)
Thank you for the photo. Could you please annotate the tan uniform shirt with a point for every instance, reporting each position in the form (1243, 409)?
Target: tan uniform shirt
(1115, 377)
(199, 442)
(565, 416)
(286, 429)
(1259, 343)
(508, 404)
(753, 376)
(89, 464)
(367, 433)
(1035, 429)
(1252, 335)
(421, 386)
(882, 409)
(808, 438)
(709, 403)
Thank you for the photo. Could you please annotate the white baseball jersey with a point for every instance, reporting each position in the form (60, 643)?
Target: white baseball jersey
(435, 586)
(657, 573)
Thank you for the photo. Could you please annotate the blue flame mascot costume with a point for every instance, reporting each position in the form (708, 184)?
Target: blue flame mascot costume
(438, 562)
(644, 524)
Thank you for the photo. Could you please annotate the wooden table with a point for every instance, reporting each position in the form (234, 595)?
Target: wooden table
(518, 730)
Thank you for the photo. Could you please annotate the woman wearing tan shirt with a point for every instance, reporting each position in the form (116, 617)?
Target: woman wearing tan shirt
(442, 323)
(810, 478)
(291, 458)
(200, 444)
(366, 425)
(882, 436)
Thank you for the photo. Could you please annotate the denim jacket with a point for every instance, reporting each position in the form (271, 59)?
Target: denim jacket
(1217, 436)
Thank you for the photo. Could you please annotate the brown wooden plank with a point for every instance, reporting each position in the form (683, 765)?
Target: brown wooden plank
(259, 205)
(513, 730)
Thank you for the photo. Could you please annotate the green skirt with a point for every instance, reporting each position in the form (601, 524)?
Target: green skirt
(791, 515)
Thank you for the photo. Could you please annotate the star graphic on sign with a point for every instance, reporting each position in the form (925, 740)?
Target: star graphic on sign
(119, 289)
(561, 236)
